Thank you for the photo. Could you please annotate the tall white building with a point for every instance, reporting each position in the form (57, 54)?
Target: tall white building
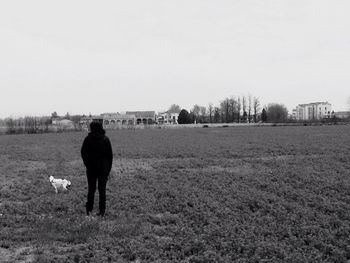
(314, 111)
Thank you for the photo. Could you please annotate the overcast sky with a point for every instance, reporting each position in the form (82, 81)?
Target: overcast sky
(109, 56)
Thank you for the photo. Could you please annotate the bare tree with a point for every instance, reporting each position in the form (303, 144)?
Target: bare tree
(195, 112)
(210, 111)
(29, 124)
(233, 107)
(239, 107)
(47, 122)
(203, 113)
(222, 111)
(256, 107)
(10, 125)
(249, 107)
(225, 110)
(217, 114)
(19, 125)
(2, 125)
(244, 108)
(174, 108)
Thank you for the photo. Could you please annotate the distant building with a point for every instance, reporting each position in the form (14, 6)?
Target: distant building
(62, 124)
(168, 117)
(115, 120)
(110, 120)
(143, 117)
(313, 111)
(85, 121)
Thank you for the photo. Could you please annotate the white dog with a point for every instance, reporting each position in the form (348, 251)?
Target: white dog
(64, 184)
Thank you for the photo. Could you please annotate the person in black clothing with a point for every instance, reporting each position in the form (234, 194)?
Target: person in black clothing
(97, 156)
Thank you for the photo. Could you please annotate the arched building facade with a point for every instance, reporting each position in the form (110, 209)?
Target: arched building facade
(120, 120)
(115, 120)
(143, 117)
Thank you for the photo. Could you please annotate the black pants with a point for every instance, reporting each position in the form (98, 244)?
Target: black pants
(93, 177)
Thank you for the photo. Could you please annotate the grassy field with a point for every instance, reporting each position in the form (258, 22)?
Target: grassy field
(243, 194)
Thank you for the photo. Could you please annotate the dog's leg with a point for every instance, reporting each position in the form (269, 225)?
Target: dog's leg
(56, 190)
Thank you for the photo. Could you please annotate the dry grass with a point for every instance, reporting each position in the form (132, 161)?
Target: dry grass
(249, 194)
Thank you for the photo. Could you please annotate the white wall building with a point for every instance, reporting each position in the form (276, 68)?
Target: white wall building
(168, 117)
(313, 111)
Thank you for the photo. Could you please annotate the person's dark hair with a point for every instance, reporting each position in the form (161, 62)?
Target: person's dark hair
(96, 127)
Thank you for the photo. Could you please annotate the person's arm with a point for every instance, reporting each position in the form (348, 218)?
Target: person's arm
(109, 154)
(84, 152)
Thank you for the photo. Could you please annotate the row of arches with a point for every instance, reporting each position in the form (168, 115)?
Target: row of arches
(138, 121)
(118, 122)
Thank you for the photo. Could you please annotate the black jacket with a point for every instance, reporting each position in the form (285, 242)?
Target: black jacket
(97, 154)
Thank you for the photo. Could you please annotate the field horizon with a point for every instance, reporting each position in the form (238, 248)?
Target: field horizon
(236, 194)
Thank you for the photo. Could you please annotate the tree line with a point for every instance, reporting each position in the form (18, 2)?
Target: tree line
(27, 124)
(234, 109)
(30, 124)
